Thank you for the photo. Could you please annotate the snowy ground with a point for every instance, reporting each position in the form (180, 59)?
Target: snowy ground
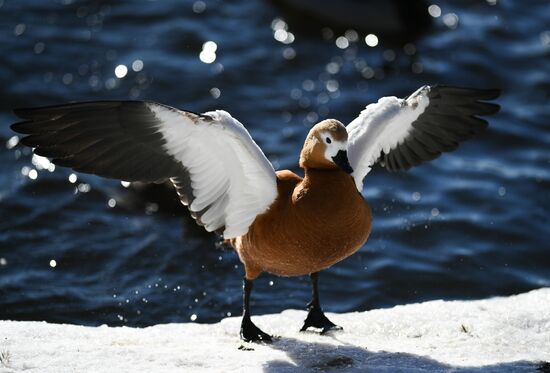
(495, 335)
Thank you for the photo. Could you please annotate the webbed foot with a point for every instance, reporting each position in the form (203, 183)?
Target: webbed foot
(251, 333)
(317, 319)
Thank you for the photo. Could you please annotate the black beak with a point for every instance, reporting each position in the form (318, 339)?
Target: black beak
(341, 160)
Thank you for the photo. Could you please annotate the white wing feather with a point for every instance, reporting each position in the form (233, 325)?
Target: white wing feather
(230, 176)
(379, 128)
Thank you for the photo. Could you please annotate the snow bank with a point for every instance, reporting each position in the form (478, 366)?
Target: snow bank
(495, 335)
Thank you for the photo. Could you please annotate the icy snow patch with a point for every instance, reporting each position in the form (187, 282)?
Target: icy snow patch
(495, 335)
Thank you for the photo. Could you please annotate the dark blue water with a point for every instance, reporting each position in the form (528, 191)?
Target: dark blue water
(471, 224)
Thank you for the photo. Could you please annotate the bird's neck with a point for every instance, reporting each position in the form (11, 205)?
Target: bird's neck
(326, 179)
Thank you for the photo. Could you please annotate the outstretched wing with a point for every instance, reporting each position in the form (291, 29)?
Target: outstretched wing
(401, 133)
(218, 170)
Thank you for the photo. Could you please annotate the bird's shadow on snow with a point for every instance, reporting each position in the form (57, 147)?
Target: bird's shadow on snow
(311, 356)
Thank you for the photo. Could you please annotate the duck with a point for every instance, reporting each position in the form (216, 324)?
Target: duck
(277, 221)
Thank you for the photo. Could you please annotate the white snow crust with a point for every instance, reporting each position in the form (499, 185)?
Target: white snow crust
(510, 334)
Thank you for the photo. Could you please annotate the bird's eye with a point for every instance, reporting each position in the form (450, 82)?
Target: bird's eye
(328, 140)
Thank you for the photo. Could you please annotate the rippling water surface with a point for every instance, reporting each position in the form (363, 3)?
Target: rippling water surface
(81, 249)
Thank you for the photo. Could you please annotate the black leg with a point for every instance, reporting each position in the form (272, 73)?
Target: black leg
(316, 318)
(249, 331)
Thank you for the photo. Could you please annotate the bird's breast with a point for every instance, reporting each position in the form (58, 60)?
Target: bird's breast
(313, 224)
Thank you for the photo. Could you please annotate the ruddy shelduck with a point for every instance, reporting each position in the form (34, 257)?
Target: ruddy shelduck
(278, 222)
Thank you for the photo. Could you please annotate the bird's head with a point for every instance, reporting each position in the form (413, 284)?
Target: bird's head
(326, 147)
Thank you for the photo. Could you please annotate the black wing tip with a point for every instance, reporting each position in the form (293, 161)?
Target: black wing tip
(488, 94)
(29, 141)
(472, 97)
(40, 113)
(492, 93)
(24, 113)
(478, 93)
(32, 112)
(19, 127)
(490, 108)
(461, 107)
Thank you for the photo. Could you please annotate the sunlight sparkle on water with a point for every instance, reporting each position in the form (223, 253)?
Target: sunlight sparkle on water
(332, 85)
(332, 68)
(215, 92)
(84, 187)
(121, 71)
(450, 20)
(280, 31)
(289, 53)
(352, 35)
(110, 83)
(19, 29)
(199, 7)
(210, 46)
(371, 40)
(39, 47)
(283, 36)
(342, 42)
(42, 163)
(278, 24)
(137, 65)
(208, 53)
(207, 57)
(409, 49)
(434, 11)
(308, 85)
(12, 142)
